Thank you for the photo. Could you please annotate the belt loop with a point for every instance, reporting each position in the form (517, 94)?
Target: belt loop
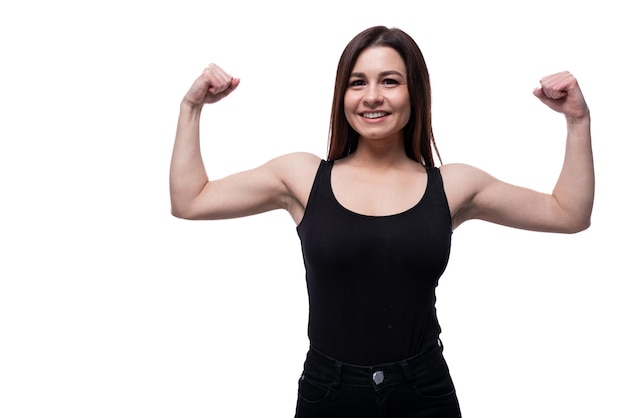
(338, 372)
(406, 371)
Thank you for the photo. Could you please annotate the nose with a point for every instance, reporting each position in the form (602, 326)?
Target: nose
(372, 100)
(372, 96)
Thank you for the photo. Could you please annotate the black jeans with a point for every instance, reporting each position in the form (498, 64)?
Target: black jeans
(419, 387)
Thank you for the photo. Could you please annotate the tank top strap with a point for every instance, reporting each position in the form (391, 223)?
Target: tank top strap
(320, 195)
(435, 189)
(434, 176)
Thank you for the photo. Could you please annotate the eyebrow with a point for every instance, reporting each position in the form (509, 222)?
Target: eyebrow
(382, 74)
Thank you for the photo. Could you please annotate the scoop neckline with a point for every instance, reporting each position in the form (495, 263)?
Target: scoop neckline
(350, 211)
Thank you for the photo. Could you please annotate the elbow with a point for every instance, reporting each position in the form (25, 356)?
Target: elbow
(177, 214)
(583, 226)
(189, 212)
(579, 226)
(574, 219)
(183, 207)
(181, 212)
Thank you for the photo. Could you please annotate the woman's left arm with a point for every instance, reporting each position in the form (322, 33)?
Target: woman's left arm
(477, 195)
(574, 190)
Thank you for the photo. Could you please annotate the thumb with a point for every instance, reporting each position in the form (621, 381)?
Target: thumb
(541, 95)
(224, 90)
(234, 83)
(538, 92)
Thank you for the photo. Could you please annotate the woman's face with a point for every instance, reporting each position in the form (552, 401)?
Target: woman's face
(376, 102)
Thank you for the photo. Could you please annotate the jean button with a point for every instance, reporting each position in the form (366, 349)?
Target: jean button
(378, 377)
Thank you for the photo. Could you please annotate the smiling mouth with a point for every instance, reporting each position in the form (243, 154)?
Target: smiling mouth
(374, 115)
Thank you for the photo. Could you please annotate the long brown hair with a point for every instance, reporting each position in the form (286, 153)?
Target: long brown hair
(418, 134)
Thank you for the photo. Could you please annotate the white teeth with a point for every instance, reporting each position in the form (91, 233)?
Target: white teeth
(374, 115)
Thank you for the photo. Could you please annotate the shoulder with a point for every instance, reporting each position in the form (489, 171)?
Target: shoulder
(453, 169)
(463, 175)
(462, 183)
(297, 173)
(297, 158)
(294, 165)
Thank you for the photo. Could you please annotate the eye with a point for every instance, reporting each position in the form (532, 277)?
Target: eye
(389, 82)
(356, 83)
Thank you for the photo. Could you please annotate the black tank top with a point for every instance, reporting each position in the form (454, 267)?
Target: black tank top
(371, 279)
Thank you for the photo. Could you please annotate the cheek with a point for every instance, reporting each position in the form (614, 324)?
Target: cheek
(350, 118)
(406, 115)
(349, 102)
(406, 108)
(349, 108)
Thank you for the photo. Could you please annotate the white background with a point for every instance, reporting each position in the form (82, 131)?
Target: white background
(111, 307)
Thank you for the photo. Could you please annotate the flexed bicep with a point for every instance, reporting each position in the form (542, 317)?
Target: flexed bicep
(475, 194)
(281, 183)
(519, 207)
(240, 194)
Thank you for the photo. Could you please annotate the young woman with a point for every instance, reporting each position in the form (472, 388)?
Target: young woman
(375, 220)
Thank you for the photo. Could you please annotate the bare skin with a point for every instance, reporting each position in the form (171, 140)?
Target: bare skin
(379, 179)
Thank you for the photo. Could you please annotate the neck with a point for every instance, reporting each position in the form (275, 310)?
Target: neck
(379, 153)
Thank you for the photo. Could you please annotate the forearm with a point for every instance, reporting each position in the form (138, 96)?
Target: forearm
(575, 187)
(187, 172)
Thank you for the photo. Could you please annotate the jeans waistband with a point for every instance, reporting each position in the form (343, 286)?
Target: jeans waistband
(377, 375)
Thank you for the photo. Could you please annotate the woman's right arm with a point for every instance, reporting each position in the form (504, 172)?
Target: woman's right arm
(279, 184)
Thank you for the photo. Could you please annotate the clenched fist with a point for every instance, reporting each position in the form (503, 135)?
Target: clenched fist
(213, 85)
(561, 93)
